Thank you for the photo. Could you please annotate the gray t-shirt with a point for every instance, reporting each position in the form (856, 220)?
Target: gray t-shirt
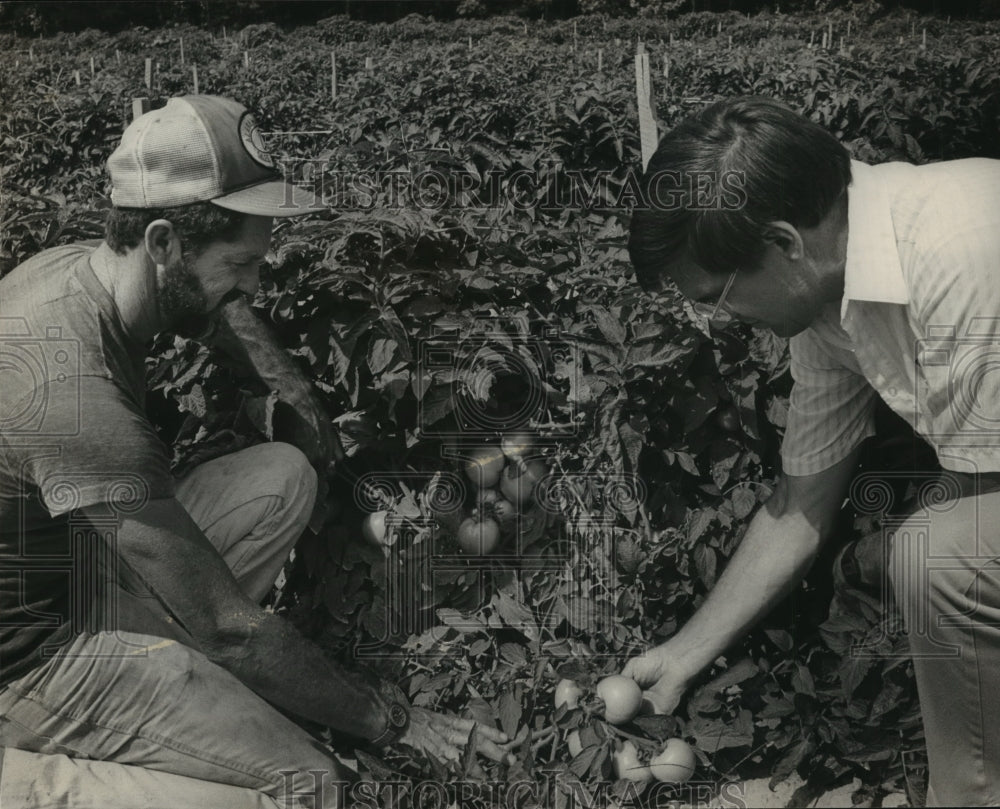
(73, 433)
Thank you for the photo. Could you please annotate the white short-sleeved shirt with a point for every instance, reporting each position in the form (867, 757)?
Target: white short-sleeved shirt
(919, 324)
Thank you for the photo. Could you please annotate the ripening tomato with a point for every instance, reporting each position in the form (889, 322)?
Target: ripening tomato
(478, 537)
(568, 693)
(622, 697)
(484, 465)
(373, 528)
(628, 766)
(519, 480)
(675, 763)
(516, 445)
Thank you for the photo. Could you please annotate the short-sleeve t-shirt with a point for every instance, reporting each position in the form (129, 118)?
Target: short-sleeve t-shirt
(73, 434)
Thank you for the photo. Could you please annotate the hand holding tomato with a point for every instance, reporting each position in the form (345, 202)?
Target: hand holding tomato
(664, 681)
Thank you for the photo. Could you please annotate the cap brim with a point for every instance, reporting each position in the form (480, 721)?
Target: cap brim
(276, 198)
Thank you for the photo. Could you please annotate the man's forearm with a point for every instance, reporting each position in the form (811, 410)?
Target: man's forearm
(772, 558)
(272, 658)
(251, 348)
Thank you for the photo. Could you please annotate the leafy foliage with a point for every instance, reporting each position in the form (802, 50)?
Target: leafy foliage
(660, 437)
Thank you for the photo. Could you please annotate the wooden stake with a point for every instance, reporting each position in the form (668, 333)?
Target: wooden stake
(848, 29)
(93, 70)
(224, 32)
(666, 69)
(149, 74)
(182, 51)
(600, 60)
(648, 136)
(470, 43)
(368, 64)
(333, 75)
(76, 75)
(31, 53)
(246, 58)
(118, 56)
(812, 38)
(823, 45)
(194, 78)
(718, 30)
(923, 43)
(140, 106)
(730, 42)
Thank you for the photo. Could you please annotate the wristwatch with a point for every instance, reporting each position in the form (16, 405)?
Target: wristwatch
(397, 713)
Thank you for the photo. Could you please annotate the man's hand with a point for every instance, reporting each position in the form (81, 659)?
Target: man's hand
(445, 737)
(662, 678)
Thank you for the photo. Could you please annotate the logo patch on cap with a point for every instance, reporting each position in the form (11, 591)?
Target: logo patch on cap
(253, 141)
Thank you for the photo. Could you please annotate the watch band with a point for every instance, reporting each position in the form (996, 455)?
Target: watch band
(397, 714)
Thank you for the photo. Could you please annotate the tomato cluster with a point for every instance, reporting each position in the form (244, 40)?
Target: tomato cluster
(506, 479)
(619, 699)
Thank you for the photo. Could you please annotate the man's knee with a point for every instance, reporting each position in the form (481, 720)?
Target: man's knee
(296, 478)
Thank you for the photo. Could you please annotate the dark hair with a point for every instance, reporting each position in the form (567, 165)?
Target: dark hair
(754, 161)
(198, 224)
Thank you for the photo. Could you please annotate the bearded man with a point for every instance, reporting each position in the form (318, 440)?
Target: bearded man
(132, 633)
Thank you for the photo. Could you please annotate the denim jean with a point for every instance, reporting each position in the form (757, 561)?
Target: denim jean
(945, 573)
(137, 708)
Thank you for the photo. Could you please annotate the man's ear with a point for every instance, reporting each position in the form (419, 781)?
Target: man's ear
(785, 237)
(162, 242)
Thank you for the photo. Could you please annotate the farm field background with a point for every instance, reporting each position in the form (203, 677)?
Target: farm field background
(508, 258)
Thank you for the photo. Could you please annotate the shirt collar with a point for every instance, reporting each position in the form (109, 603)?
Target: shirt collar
(873, 271)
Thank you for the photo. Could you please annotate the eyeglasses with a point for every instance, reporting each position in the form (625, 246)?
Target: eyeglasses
(715, 313)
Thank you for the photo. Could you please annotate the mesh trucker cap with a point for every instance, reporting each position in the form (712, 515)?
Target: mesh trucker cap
(201, 148)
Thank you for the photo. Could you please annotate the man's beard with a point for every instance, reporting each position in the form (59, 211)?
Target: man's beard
(181, 298)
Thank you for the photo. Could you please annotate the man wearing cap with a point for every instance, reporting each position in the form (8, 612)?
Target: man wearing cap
(131, 631)
(885, 279)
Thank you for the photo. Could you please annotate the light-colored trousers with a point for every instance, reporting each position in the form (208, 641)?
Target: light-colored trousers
(945, 573)
(134, 717)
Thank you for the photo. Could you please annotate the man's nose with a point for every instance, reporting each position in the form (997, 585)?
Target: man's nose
(249, 280)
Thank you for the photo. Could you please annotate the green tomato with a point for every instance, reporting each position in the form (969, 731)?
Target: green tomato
(622, 698)
(675, 763)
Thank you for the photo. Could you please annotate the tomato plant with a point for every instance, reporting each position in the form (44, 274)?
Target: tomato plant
(654, 441)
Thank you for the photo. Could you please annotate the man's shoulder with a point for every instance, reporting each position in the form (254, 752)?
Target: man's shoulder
(43, 278)
(49, 331)
(64, 255)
